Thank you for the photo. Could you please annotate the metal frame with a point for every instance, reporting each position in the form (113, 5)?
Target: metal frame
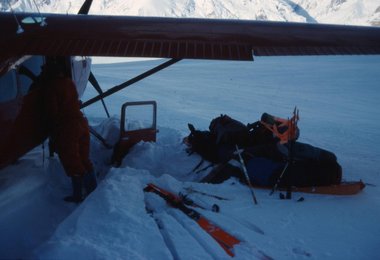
(138, 103)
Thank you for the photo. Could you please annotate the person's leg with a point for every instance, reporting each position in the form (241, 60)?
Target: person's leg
(89, 179)
(77, 184)
(90, 183)
(68, 153)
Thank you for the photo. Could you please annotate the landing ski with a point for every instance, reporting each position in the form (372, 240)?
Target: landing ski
(223, 238)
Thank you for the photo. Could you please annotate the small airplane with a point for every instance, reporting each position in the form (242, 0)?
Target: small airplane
(29, 39)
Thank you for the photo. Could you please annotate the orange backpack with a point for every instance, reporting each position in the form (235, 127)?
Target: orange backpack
(284, 129)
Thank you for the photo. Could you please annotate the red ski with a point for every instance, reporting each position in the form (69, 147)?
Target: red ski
(344, 188)
(224, 239)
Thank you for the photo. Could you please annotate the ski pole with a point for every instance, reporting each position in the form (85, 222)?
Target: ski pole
(191, 190)
(246, 174)
(279, 179)
(292, 137)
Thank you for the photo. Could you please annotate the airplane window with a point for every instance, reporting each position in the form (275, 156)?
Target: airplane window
(8, 87)
(31, 66)
(138, 117)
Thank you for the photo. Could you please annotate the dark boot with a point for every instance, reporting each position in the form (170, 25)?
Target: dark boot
(77, 184)
(90, 182)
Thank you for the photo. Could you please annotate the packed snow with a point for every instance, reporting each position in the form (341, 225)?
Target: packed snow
(338, 98)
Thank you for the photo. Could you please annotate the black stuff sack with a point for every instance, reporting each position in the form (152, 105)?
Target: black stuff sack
(202, 143)
(228, 131)
(218, 144)
(312, 166)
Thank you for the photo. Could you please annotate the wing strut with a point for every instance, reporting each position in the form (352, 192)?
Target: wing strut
(96, 85)
(85, 7)
(130, 82)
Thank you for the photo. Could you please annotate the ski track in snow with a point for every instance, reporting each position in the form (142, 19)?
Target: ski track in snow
(338, 102)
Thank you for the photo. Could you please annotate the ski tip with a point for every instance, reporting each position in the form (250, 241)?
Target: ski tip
(362, 185)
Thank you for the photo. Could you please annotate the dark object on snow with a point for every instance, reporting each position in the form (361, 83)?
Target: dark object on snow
(263, 171)
(306, 172)
(202, 143)
(218, 144)
(229, 131)
(264, 155)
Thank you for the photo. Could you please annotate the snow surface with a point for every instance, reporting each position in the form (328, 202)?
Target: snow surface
(338, 98)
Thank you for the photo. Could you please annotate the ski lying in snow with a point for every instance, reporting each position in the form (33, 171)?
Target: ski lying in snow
(189, 202)
(344, 188)
(224, 239)
(216, 208)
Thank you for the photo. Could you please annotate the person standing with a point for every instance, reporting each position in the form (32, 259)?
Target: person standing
(68, 128)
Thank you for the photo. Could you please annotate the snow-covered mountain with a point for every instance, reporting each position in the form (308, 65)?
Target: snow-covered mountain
(363, 12)
(357, 12)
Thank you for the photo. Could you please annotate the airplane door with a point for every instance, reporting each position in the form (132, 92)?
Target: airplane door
(80, 71)
(138, 123)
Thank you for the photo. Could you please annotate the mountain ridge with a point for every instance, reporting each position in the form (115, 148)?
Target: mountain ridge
(349, 12)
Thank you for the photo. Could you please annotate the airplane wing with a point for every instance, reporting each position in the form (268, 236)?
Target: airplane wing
(126, 36)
